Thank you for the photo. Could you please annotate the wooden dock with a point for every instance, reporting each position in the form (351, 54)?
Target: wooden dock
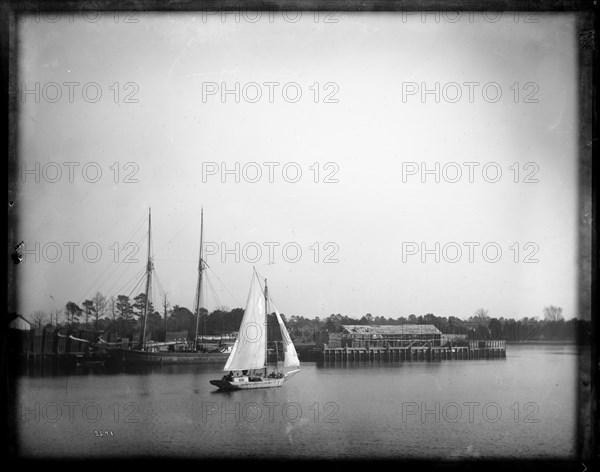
(47, 344)
(475, 351)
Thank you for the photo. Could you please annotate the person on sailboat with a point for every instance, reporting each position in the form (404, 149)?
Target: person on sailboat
(228, 377)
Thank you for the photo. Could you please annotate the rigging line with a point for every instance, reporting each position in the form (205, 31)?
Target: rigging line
(143, 269)
(142, 239)
(273, 303)
(134, 288)
(178, 233)
(136, 274)
(260, 275)
(138, 244)
(136, 285)
(154, 272)
(225, 286)
(213, 292)
(116, 281)
(162, 289)
(124, 287)
(154, 289)
(270, 296)
(218, 304)
(116, 267)
(136, 228)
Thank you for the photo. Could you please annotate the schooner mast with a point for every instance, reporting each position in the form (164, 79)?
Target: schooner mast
(199, 284)
(148, 279)
(266, 326)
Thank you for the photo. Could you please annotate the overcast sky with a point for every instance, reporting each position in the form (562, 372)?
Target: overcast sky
(161, 110)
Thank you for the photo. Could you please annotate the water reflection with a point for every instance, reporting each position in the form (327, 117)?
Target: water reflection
(352, 410)
(56, 368)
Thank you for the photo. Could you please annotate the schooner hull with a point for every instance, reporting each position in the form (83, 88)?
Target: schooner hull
(135, 357)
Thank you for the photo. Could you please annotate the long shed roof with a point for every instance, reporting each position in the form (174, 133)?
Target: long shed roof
(392, 329)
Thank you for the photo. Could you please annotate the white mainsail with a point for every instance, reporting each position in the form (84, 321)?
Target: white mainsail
(249, 349)
(291, 357)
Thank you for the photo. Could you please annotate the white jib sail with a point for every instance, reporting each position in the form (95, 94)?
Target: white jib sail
(291, 357)
(249, 349)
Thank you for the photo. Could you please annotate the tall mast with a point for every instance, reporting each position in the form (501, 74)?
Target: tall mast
(266, 325)
(148, 277)
(199, 285)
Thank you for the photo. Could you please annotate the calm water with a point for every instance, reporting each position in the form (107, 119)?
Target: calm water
(523, 406)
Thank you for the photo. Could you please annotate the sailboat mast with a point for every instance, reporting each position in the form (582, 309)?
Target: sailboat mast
(266, 326)
(199, 286)
(148, 277)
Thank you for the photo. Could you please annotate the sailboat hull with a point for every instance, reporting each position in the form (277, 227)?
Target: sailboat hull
(245, 384)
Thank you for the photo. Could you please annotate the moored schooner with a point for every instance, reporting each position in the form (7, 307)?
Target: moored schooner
(248, 364)
(149, 353)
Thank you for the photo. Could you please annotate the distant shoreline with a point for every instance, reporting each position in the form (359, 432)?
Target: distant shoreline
(547, 341)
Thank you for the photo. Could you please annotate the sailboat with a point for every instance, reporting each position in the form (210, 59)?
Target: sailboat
(248, 364)
(148, 352)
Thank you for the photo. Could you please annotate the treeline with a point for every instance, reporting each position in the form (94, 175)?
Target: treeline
(479, 326)
(123, 318)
